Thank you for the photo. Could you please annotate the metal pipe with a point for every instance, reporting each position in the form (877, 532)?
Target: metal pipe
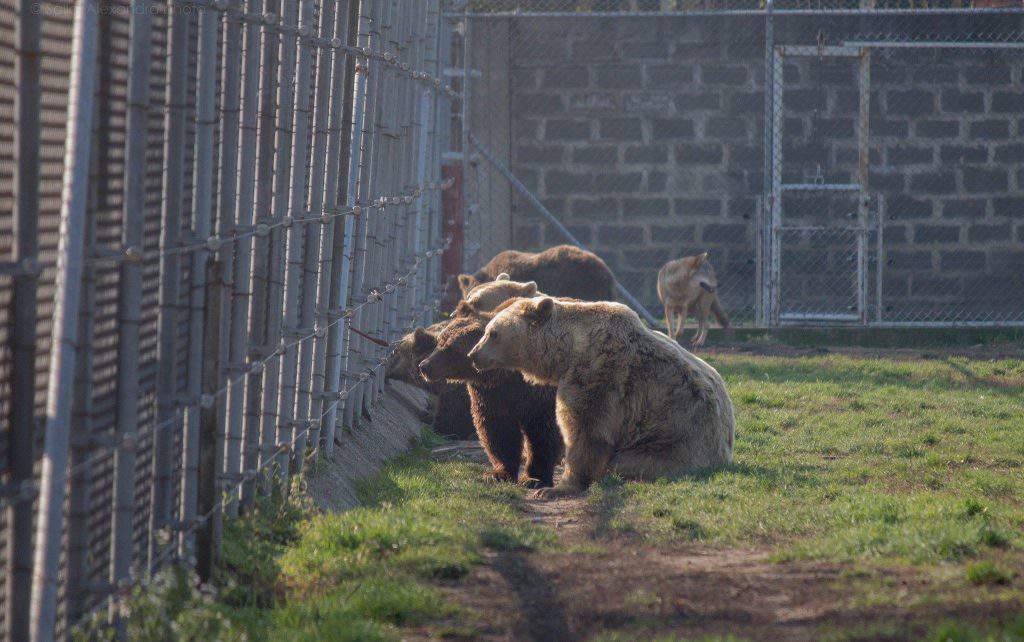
(275, 289)
(241, 280)
(70, 252)
(546, 213)
(259, 441)
(355, 348)
(291, 429)
(82, 443)
(342, 269)
(824, 13)
(170, 279)
(130, 302)
(227, 192)
(323, 197)
(763, 305)
(23, 312)
(202, 215)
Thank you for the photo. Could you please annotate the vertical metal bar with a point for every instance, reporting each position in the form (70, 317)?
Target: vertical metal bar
(170, 278)
(465, 116)
(324, 200)
(22, 323)
(343, 247)
(209, 448)
(227, 193)
(290, 426)
(275, 290)
(259, 441)
(202, 215)
(241, 280)
(71, 249)
(130, 301)
(353, 351)
(82, 439)
(776, 195)
(762, 313)
(880, 260)
(863, 165)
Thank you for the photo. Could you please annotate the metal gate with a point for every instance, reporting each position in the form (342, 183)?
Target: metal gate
(818, 219)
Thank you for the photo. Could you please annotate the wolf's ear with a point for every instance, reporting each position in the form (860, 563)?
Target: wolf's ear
(530, 289)
(543, 311)
(503, 277)
(423, 340)
(467, 282)
(701, 258)
(463, 309)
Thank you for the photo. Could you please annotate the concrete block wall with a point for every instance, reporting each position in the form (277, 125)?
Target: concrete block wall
(645, 137)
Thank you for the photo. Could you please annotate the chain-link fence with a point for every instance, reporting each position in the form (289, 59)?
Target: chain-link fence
(841, 161)
(220, 217)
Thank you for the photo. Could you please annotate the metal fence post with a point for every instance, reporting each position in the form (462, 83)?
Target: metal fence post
(71, 252)
(343, 249)
(353, 344)
(202, 213)
(23, 306)
(245, 456)
(130, 303)
(83, 440)
(275, 290)
(227, 227)
(170, 261)
(290, 427)
(323, 199)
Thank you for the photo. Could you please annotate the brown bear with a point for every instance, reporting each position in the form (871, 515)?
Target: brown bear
(563, 270)
(488, 296)
(629, 399)
(506, 409)
(450, 415)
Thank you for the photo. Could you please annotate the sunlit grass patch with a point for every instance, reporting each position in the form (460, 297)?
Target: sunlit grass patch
(363, 573)
(840, 458)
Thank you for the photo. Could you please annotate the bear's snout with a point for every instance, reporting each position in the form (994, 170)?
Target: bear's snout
(479, 358)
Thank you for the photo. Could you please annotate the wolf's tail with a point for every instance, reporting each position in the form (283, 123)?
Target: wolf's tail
(719, 312)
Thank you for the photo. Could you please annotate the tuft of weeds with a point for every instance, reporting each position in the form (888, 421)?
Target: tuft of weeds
(986, 573)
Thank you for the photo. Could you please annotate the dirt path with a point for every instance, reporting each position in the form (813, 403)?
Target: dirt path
(619, 588)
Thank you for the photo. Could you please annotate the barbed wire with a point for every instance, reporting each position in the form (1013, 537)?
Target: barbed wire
(170, 551)
(207, 400)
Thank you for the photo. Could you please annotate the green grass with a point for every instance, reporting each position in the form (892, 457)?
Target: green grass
(888, 468)
(849, 459)
(293, 574)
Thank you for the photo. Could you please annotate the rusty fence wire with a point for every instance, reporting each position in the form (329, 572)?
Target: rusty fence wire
(217, 219)
(842, 161)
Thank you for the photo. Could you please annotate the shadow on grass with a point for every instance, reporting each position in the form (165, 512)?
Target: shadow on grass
(541, 615)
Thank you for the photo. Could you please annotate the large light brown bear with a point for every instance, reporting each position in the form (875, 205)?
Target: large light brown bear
(629, 399)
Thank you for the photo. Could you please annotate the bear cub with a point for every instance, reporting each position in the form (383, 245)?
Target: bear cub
(506, 410)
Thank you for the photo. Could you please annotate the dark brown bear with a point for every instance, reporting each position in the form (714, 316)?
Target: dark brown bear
(563, 270)
(505, 408)
(450, 415)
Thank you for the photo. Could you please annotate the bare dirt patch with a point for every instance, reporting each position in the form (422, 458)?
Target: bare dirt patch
(621, 588)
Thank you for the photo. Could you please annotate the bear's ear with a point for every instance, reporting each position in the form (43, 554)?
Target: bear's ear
(423, 340)
(467, 282)
(543, 311)
(530, 289)
(463, 309)
(503, 277)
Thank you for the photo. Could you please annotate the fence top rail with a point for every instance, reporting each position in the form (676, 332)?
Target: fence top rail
(753, 11)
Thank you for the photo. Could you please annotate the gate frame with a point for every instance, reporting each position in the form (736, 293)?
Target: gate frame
(774, 284)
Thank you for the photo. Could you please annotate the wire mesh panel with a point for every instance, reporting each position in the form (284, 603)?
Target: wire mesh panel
(191, 156)
(818, 275)
(638, 130)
